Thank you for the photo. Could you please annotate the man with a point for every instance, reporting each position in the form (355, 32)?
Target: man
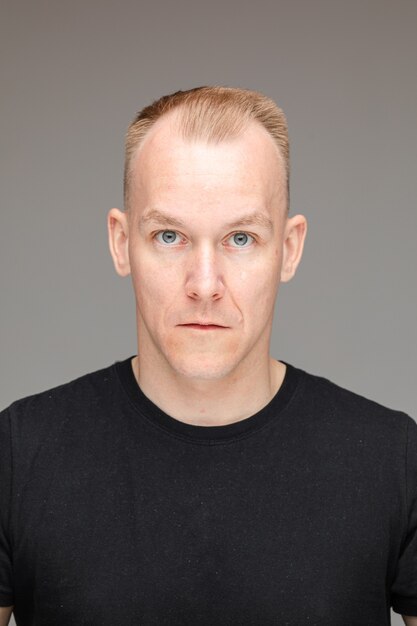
(202, 481)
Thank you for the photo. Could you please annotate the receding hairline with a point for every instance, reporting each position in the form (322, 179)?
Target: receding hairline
(173, 123)
(211, 114)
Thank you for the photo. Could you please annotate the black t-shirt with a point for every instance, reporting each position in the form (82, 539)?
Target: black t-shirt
(113, 513)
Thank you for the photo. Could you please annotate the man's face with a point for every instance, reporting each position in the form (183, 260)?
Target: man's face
(206, 227)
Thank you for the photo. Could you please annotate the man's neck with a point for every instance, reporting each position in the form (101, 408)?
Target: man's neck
(211, 403)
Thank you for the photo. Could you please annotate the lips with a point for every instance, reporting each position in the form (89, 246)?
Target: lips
(203, 325)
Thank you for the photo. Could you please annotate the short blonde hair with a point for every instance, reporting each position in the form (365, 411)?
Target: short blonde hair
(212, 114)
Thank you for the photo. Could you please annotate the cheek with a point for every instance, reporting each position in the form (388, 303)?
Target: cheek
(155, 285)
(257, 286)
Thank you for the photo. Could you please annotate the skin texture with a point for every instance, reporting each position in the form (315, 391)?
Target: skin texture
(199, 272)
(5, 614)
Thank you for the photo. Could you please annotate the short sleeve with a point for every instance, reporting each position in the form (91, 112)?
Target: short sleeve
(404, 587)
(6, 587)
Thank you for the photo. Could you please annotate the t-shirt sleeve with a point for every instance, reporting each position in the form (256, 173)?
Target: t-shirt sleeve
(404, 587)
(6, 587)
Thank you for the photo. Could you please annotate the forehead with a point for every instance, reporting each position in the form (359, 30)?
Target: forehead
(247, 165)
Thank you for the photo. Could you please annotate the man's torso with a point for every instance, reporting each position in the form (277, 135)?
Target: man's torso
(122, 515)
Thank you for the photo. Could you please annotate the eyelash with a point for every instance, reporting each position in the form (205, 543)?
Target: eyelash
(238, 232)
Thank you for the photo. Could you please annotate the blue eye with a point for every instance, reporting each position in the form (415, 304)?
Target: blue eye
(168, 236)
(241, 239)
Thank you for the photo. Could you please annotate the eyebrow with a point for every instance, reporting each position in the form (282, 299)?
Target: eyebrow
(257, 218)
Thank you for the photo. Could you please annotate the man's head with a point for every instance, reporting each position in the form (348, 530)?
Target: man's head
(207, 240)
(211, 114)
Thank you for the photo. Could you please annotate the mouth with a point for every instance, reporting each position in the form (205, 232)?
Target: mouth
(203, 326)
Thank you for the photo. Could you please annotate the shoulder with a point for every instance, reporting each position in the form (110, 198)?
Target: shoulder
(346, 407)
(39, 428)
(49, 407)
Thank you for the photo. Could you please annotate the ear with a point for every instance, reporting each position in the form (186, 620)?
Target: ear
(118, 230)
(295, 232)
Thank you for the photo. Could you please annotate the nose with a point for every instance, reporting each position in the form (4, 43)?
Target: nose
(204, 280)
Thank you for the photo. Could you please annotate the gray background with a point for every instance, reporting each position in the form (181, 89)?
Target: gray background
(73, 74)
